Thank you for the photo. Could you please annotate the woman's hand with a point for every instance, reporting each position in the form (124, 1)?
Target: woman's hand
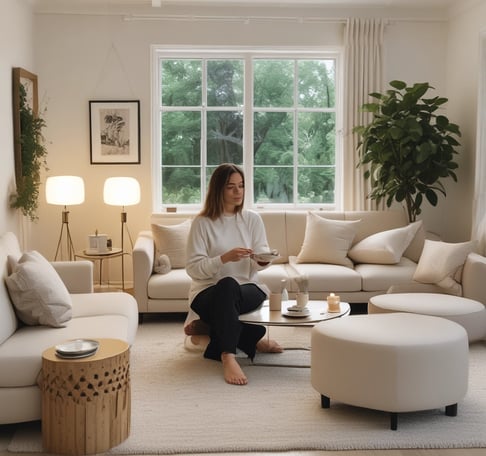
(236, 254)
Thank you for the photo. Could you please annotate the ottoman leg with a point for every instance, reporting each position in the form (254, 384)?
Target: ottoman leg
(325, 401)
(451, 410)
(393, 421)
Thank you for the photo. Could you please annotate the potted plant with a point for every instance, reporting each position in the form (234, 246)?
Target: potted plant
(408, 147)
(33, 158)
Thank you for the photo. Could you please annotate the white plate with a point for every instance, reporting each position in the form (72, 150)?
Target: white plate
(266, 257)
(296, 313)
(77, 347)
(82, 355)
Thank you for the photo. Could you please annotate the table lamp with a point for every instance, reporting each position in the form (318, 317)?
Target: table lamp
(122, 191)
(65, 191)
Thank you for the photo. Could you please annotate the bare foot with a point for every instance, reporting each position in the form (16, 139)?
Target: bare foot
(232, 370)
(196, 328)
(269, 346)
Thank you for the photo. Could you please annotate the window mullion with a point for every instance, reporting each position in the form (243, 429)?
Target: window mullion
(248, 113)
(204, 129)
(296, 135)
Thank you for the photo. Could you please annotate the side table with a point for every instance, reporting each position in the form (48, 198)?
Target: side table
(86, 401)
(116, 252)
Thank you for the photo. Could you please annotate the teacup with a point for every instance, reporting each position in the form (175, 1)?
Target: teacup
(301, 300)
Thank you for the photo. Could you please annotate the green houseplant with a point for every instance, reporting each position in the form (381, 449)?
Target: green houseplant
(33, 158)
(407, 148)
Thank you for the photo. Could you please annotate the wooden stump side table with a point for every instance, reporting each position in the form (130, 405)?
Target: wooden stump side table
(86, 401)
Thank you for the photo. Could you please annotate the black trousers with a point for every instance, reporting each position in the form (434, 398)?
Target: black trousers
(219, 306)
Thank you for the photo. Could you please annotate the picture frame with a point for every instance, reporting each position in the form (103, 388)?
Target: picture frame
(114, 132)
(28, 80)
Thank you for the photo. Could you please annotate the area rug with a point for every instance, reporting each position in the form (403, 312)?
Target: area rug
(181, 404)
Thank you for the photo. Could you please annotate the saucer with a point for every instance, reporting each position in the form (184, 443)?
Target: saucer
(78, 348)
(266, 257)
(294, 311)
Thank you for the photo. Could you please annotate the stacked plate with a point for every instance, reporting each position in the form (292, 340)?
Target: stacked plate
(294, 311)
(78, 348)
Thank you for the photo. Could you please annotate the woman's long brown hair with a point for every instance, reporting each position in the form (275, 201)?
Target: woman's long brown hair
(214, 205)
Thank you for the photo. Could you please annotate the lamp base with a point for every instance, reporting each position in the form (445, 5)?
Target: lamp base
(69, 241)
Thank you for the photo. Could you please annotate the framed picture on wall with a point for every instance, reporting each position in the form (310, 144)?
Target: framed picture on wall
(114, 132)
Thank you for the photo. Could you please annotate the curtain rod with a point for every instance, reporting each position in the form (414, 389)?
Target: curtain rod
(244, 19)
(248, 19)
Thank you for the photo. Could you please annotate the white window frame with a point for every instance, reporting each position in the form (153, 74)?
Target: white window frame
(245, 54)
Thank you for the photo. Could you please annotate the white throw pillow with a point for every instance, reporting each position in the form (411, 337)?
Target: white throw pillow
(37, 292)
(385, 247)
(327, 241)
(440, 263)
(171, 240)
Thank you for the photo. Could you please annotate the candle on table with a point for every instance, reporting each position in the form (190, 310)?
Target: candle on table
(333, 303)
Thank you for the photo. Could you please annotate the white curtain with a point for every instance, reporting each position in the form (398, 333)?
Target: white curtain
(363, 71)
(479, 208)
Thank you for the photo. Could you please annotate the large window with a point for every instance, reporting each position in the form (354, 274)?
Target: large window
(276, 115)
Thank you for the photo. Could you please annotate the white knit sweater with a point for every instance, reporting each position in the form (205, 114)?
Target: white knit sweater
(209, 239)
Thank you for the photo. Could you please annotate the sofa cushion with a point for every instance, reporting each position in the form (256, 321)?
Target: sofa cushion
(171, 240)
(272, 277)
(327, 241)
(378, 277)
(326, 277)
(385, 247)
(414, 250)
(174, 285)
(37, 292)
(9, 246)
(275, 229)
(441, 263)
(95, 315)
(22, 352)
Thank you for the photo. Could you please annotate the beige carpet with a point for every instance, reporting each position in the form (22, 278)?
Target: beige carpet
(181, 404)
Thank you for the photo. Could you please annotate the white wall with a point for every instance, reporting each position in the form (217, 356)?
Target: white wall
(463, 60)
(83, 57)
(16, 50)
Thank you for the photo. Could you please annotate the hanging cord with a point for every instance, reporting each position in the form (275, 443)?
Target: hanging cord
(113, 50)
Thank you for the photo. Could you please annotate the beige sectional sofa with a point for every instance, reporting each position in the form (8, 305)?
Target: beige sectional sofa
(355, 282)
(86, 315)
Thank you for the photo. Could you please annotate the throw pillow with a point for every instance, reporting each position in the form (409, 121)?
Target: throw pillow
(441, 262)
(162, 264)
(327, 241)
(171, 240)
(37, 292)
(385, 247)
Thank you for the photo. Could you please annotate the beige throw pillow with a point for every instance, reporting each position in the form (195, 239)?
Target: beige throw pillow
(37, 292)
(385, 247)
(171, 240)
(327, 241)
(441, 262)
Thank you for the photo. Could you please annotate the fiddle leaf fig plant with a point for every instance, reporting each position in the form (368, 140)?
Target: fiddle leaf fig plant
(33, 158)
(408, 148)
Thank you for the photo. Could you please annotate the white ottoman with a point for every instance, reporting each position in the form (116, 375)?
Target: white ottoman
(394, 362)
(468, 313)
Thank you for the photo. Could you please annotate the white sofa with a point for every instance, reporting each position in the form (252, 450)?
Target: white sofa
(355, 283)
(107, 315)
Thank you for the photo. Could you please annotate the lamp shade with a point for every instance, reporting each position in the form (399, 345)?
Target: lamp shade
(121, 191)
(65, 190)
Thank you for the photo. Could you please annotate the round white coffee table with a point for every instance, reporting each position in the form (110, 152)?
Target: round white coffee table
(318, 312)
